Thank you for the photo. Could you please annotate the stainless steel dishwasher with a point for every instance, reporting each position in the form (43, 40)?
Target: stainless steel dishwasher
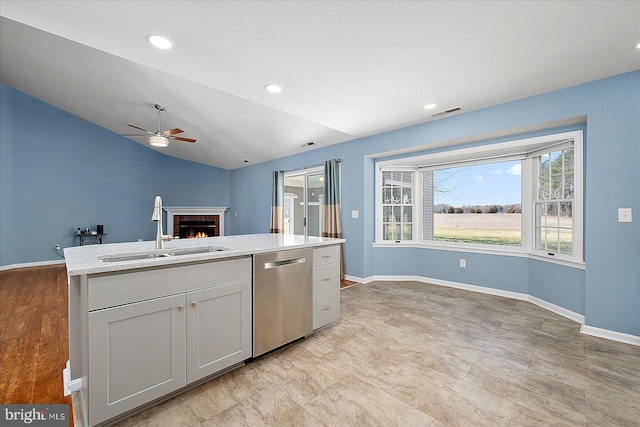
(282, 298)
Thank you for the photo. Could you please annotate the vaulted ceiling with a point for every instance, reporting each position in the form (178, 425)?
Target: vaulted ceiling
(348, 69)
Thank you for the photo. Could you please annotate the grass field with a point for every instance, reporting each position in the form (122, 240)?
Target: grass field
(497, 229)
(491, 229)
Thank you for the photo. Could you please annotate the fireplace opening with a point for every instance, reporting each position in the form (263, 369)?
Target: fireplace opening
(196, 226)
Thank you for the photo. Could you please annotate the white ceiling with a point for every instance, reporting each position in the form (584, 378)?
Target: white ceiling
(348, 68)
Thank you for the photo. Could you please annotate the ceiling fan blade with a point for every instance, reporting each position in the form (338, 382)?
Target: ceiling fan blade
(136, 127)
(179, 138)
(172, 131)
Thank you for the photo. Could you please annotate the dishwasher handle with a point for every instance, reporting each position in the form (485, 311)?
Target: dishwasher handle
(281, 263)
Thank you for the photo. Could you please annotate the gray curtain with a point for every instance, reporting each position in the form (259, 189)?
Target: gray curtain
(277, 203)
(331, 221)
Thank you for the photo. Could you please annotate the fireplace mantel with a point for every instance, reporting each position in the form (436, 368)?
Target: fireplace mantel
(193, 210)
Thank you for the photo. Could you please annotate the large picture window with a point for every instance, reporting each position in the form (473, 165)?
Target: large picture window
(478, 204)
(516, 196)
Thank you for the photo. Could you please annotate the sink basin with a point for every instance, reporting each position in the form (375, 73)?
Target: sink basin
(137, 256)
(198, 250)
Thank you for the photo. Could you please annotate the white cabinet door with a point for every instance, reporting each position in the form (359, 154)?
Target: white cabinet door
(218, 328)
(136, 354)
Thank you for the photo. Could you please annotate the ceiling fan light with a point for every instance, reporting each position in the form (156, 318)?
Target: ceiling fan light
(273, 88)
(159, 41)
(158, 141)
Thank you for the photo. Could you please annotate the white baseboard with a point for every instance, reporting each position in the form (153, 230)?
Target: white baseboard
(576, 317)
(31, 264)
(353, 278)
(610, 335)
(70, 385)
(557, 309)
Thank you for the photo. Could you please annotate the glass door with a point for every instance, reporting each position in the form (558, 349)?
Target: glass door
(303, 193)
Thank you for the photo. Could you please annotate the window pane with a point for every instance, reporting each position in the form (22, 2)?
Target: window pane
(386, 196)
(566, 241)
(479, 204)
(568, 187)
(406, 195)
(407, 232)
(386, 214)
(406, 214)
(555, 187)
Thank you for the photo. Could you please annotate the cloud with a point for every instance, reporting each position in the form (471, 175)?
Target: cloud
(515, 169)
(496, 172)
(477, 178)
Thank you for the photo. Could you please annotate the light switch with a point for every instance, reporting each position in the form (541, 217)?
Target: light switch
(355, 214)
(624, 214)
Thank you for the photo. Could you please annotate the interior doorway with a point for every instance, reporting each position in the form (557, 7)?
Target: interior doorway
(303, 194)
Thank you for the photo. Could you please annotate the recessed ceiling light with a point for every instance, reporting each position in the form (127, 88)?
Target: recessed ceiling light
(273, 88)
(159, 41)
(638, 46)
(429, 106)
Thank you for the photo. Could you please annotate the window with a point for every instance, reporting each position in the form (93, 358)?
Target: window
(517, 196)
(477, 204)
(397, 205)
(553, 202)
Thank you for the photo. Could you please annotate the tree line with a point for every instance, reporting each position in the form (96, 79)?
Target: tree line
(479, 209)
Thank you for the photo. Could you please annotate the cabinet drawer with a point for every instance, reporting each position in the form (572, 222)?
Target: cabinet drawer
(326, 278)
(110, 290)
(326, 309)
(326, 255)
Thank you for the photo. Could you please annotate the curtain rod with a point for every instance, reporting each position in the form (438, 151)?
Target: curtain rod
(309, 167)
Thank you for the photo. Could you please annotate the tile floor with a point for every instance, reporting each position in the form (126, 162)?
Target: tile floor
(412, 354)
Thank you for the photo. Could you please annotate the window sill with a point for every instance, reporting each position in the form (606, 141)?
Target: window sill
(512, 252)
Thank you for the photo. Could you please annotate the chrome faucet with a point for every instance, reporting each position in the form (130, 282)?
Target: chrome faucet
(157, 217)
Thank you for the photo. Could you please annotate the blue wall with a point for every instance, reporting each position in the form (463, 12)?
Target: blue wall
(60, 172)
(607, 292)
(79, 175)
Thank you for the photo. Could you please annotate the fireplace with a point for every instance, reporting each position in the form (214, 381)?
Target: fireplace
(195, 226)
(189, 222)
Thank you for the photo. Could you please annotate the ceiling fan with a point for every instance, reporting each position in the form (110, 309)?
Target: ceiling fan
(159, 138)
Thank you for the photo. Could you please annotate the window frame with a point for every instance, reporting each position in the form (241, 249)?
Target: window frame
(380, 205)
(528, 151)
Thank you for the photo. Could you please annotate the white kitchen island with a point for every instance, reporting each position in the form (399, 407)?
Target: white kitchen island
(146, 324)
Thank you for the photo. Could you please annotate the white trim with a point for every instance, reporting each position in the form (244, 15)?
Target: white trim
(495, 151)
(557, 309)
(610, 335)
(194, 210)
(70, 385)
(31, 264)
(579, 318)
(353, 278)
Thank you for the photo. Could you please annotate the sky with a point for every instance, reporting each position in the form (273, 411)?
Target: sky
(489, 184)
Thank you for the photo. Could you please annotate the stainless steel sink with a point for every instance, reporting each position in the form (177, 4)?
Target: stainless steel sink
(137, 256)
(198, 250)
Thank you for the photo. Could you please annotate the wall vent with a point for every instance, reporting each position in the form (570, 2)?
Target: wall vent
(449, 111)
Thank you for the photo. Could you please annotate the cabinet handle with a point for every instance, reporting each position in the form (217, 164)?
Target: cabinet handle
(326, 256)
(180, 307)
(194, 303)
(326, 308)
(326, 279)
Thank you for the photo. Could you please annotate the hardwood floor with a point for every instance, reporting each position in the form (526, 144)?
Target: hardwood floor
(33, 335)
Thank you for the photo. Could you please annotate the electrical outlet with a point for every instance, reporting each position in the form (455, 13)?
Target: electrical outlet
(463, 263)
(624, 215)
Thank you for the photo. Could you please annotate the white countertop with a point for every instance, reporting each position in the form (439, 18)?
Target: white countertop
(83, 260)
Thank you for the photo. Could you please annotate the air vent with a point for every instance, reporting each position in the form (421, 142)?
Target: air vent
(449, 111)
(308, 144)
